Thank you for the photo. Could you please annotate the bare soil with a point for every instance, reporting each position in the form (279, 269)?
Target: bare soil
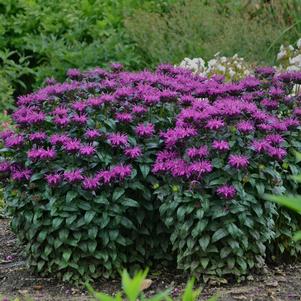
(277, 283)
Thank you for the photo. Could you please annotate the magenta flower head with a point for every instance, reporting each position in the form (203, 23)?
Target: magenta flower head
(37, 136)
(14, 141)
(221, 145)
(92, 134)
(140, 110)
(106, 176)
(4, 167)
(121, 171)
(277, 152)
(87, 150)
(260, 146)
(20, 175)
(80, 118)
(133, 152)
(200, 168)
(61, 121)
(79, 106)
(200, 152)
(41, 154)
(245, 127)
(124, 117)
(215, 124)
(91, 183)
(226, 191)
(73, 176)
(73, 73)
(54, 179)
(238, 161)
(58, 139)
(145, 130)
(274, 139)
(71, 145)
(118, 139)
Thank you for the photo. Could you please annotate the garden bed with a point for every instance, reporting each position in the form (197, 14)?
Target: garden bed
(278, 283)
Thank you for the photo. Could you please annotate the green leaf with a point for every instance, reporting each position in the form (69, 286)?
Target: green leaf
(89, 215)
(67, 254)
(204, 262)
(92, 232)
(204, 242)
(92, 246)
(63, 234)
(71, 195)
(102, 199)
(130, 202)
(219, 234)
(297, 236)
(57, 222)
(144, 170)
(118, 192)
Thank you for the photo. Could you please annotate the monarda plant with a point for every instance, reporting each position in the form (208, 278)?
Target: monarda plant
(115, 169)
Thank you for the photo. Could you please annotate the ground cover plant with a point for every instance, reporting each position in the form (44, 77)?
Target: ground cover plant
(114, 169)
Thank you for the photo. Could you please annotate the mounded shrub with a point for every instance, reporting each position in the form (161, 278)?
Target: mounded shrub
(115, 169)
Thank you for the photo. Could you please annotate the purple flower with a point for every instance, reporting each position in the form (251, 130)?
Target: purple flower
(226, 191)
(37, 136)
(106, 176)
(215, 124)
(140, 110)
(91, 183)
(116, 66)
(221, 145)
(270, 104)
(92, 134)
(54, 179)
(72, 145)
(87, 150)
(145, 130)
(79, 106)
(133, 152)
(200, 168)
(21, 175)
(260, 145)
(73, 73)
(60, 111)
(124, 117)
(80, 118)
(274, 139)
(4, 167)
(14, 141)
(277, 152)
(245, 127)
(41, 154)
(121, 171)
(58, 139)
(200, 152)
(118, 139)
(238, 161)
(61, 121)
(6, 133)
(73, 176)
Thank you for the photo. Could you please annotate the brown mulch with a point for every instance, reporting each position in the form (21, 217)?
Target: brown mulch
(278, 283)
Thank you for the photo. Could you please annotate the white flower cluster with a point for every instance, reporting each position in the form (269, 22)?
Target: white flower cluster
(289, 57)
(232, 68)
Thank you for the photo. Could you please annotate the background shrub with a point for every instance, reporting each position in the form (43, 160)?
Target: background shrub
(191, 28)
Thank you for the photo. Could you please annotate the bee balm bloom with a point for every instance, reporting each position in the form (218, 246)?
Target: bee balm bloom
(238, 161)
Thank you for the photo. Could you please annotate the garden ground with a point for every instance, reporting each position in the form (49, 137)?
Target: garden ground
(278, 283)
